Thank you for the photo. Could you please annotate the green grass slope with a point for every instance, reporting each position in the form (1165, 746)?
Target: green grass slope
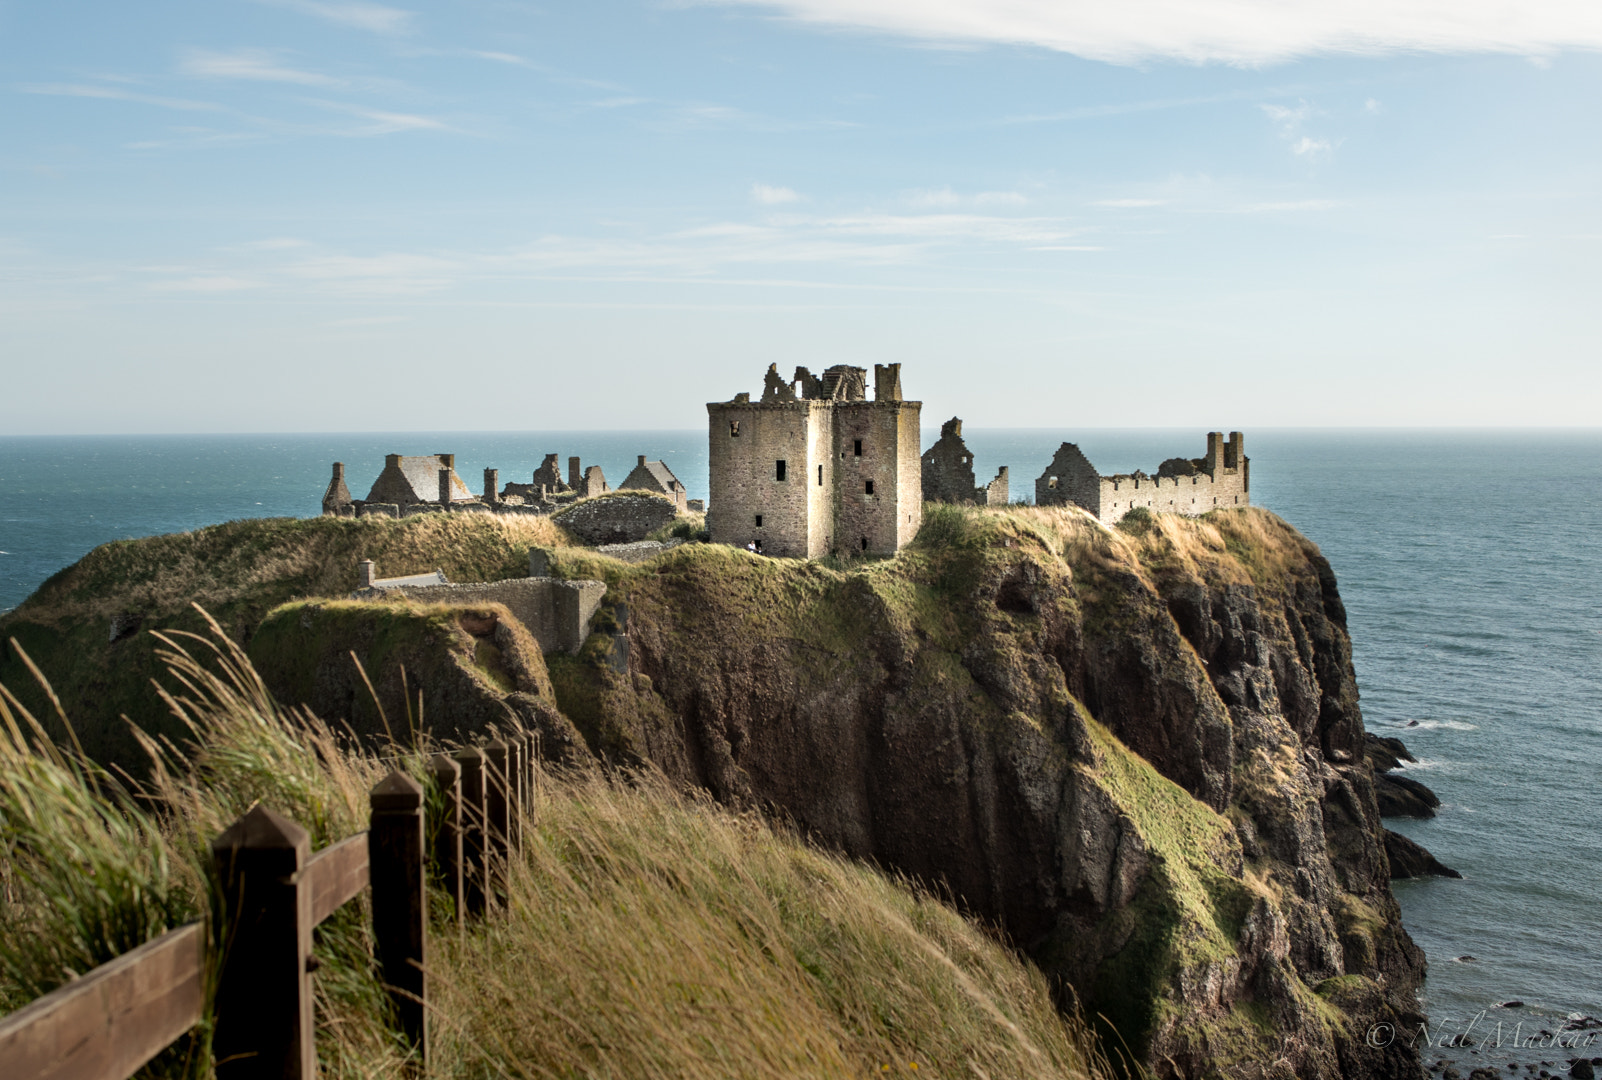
(238, 571)
(647, 933)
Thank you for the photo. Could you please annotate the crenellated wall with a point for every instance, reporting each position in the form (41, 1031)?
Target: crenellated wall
(833, 446)
(1221, 478)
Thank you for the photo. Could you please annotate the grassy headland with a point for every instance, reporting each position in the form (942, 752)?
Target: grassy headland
(648, 933)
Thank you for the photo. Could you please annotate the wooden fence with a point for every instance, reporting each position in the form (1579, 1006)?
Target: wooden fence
(274, 892)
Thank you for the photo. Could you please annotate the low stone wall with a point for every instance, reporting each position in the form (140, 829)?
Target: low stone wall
(638, 552)
(618, 518)
(556, 612)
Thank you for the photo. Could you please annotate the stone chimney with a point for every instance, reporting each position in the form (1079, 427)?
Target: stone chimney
(887, 382)
(492, 485)
(574, 473)
(445, 491)
(642, 461)
(365, 574)
(336, 500)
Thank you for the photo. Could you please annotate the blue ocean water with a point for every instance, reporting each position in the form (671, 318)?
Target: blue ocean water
(1469, 563)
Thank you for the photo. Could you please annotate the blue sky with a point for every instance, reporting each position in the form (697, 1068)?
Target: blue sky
(281, 215)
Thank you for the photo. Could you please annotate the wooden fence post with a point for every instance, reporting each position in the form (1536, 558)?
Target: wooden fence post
(265, 1024)
(400, 904)
(447, 854)
(514, 794)
(531, 743)
(475, 842)
(497, 827)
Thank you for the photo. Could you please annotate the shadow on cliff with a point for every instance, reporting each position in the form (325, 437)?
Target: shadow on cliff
(1139, 752)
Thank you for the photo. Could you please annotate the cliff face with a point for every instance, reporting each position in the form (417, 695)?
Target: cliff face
(1140, 752)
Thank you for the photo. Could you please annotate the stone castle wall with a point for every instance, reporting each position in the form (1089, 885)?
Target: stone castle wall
(748, 501)
(557, 613)
(831, 446)
(1222, 478)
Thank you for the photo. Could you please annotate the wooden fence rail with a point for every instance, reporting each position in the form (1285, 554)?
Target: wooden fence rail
(274, 892)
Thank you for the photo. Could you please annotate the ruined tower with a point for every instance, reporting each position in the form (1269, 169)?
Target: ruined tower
(815, 467)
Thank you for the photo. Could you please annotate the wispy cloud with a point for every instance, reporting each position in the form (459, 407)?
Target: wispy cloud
(773, 196)
(946, 198)
(930, 198)
(374, 18)
(1232, 31)
(113, 93)
(1288, 123)
(1129, 204)
(382, 122)
(253, 64)
(1290, 206)
(396, 273)
(206, 284)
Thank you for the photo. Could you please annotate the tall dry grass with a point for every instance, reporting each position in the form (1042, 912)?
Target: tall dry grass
(647, 933)
(656, 934)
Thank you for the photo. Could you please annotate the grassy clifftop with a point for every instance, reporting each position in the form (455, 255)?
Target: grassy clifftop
(85, 625)
(1136, 751)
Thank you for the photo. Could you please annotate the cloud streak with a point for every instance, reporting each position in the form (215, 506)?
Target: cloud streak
(356, 14)
(1246, 32)
(252, 64)
(112, 93)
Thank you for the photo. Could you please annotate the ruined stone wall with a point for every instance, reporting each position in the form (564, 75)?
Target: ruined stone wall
(998, 491)
(557, 613)
(881, 521)
(745, 443)
(1070, 480)
(618, 518)
(1191, 495)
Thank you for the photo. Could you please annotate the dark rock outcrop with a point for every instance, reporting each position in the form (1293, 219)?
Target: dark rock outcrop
(1410, 860)
(1141, 756)
(1401, 796)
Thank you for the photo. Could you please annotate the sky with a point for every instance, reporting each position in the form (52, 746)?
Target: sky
(342, 215)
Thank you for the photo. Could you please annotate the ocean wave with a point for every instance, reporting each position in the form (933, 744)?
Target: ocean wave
(1435, 725)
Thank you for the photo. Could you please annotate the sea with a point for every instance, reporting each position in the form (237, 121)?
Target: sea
(1470, 563)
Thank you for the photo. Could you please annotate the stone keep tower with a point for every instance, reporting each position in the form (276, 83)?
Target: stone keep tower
(815, 467)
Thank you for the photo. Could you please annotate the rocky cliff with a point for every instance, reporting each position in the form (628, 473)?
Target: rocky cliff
(1138, 751)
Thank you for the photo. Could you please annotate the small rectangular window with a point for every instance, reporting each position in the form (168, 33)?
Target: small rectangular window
(820, 475)
(870, 487)
(778, 469)
(859, 448)
(759, 521)
(734, 429)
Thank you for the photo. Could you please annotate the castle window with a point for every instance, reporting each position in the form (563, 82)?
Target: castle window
(759, 521)
(734, 429)
(870, 487)
(858, 450)
(1052, 482)
(778, 469)
(820, 475)
(864, 543)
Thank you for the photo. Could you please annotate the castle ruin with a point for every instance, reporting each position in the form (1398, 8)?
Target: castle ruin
(656, 476)
(429, 482)
(948, 472)
(1190, 486)
(814, 467)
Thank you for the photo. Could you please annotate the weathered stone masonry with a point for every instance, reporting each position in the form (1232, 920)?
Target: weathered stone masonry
(1222, 478)
(814, 467)
(948, 472)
